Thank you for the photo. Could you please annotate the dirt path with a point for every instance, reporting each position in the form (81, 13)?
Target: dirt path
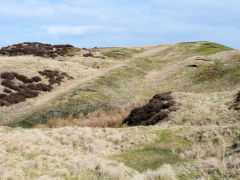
(153, 51)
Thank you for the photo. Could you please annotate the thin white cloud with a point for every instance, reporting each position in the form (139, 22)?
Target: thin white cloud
(68, 29)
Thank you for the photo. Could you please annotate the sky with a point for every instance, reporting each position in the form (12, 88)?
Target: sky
(104, 23)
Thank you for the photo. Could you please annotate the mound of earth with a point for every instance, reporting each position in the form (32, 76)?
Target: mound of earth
(155, 110)
(36, 49)
(18, 87)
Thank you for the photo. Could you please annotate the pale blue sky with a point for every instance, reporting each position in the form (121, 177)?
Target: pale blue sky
(90, 23)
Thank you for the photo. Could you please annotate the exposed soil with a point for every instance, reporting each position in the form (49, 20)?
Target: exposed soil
(192, 65)
(236, 104)
(37, 49)
(202, 59)
(237, 99)
(156, 110)
(29, 88)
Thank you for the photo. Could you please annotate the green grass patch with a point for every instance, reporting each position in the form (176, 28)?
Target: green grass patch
(188, 49)
(170, 139)
(208, 48)
(164, 149)
(148, 64)
(203, 48)
(120, 53)
(147, 158)
(120, 84)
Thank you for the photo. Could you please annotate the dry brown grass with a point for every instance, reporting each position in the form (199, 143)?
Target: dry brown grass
(104, 119)
(98, 118)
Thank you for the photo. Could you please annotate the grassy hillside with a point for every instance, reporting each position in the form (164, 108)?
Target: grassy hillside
(76, 133)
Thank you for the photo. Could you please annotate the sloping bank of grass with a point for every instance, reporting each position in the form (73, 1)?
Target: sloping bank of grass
(215, 76)
(218, 71)
(211, 76)
(118, 85)
(165, 149)
(189, 49)
(205, 48)
(106, 93)
(110, 91)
